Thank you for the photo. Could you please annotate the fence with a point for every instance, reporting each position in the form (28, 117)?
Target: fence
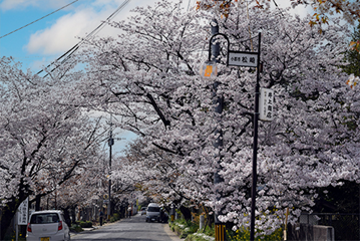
(346, 225)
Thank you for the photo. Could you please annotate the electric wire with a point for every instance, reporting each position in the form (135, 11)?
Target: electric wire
(76, 46)
(38, 19)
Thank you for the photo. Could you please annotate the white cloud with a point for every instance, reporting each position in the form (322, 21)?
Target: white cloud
(63, 34)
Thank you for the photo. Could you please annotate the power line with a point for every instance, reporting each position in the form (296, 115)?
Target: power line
(38, 19)
(97, 29)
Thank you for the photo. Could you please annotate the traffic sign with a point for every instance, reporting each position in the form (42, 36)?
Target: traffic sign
(245, 59)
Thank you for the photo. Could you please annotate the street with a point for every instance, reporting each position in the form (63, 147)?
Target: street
(134, 229)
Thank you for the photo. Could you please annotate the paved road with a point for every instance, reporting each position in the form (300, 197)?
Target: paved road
(134, 229)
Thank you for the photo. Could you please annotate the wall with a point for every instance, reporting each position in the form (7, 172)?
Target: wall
(307, 232)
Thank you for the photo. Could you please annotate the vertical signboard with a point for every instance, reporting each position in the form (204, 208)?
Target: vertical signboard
(23, 212)
(266, 107)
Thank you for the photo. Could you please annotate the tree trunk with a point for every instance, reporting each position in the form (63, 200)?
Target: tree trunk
(186, 213)
(73, 216)
(37, 202)
(7, 214)
(209, 219)
(5, 219)
(67, 216)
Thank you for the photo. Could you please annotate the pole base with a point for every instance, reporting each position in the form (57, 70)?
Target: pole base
(220, 232)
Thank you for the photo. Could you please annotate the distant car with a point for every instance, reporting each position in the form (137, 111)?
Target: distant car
(47, 226)
(153, 213)
(143, 211)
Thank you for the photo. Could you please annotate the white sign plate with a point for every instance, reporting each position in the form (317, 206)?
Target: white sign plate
(23, 212)
(266, 107)
(245, 59)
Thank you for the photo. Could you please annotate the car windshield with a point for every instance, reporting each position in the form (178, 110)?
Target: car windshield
(153, 209)
(43, 218)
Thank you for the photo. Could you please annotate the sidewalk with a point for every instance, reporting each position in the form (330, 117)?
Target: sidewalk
(171, 234)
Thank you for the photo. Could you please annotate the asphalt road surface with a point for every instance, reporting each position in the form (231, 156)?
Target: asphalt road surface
(133, 229)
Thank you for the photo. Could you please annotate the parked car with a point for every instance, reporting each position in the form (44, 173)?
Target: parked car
(153, 213)
(47, 226)
(143, 211)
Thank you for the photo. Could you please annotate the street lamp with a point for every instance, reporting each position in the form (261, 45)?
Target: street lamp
(209, 70)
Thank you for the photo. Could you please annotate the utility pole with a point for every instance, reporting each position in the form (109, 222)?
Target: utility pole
(111, 143)
(255, 146)
(219, 105)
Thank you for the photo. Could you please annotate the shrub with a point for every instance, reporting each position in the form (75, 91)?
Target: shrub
(210, 231)
(86, 224)
(115, 217)
(183, 228)
(244, 234)
(199, 237)
(76, 228)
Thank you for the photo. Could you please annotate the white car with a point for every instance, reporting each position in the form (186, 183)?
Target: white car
(47, 226)
(153, 213)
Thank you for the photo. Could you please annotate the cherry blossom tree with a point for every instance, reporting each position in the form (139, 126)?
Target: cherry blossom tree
(323, 11)
(152, 172)
(45, 136)
(85, 189)
(148, 76)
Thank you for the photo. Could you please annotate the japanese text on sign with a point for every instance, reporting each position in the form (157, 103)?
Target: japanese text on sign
(246, 59)
(23, 213)
(266, 104)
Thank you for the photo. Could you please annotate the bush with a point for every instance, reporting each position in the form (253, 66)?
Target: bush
(244, 234)
(86, 224)
(183, 228)
(199, 237)
(115, 217)
(76, 228)
(210, 231)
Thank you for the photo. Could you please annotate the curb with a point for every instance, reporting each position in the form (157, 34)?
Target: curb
(171, 234)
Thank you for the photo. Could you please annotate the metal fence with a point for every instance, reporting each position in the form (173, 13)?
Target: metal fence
(346, 225)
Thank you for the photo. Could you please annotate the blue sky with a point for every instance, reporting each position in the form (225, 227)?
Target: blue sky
(42, 42)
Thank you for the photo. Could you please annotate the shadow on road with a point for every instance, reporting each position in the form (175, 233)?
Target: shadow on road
(129, 229)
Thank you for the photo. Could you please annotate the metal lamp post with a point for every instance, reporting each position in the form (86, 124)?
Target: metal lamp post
(209, 70)
(234, 58)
